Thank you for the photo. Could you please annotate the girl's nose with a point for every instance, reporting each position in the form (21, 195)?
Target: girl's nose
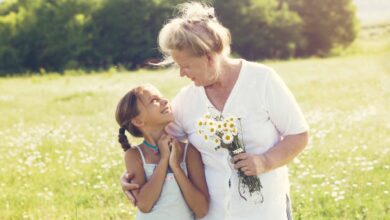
(164, 101)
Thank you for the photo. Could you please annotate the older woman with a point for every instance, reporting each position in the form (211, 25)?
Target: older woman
(274, 130)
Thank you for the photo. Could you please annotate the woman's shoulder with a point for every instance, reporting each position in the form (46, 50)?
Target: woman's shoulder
(256, 74)
(257, 65)
(190, 89)
(257, 70)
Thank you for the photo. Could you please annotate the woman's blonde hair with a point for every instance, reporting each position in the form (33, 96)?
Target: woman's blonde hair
(195, 28)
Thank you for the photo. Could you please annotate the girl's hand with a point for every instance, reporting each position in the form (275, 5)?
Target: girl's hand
(163, 146)
(250, 164)
(176, 154)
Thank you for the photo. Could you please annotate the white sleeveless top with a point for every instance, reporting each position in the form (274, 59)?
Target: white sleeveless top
(171, 204)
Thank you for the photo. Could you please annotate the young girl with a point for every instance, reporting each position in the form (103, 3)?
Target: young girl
(170, 175)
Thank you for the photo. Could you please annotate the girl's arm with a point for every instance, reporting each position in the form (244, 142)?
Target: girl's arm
(193, 187)
(149, 191)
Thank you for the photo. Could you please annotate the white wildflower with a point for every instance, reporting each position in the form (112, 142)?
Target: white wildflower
(227, 138)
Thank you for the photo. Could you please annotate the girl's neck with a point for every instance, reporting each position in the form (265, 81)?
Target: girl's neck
(153, 135)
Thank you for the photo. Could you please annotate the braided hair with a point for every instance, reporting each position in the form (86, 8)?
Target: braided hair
(126, 110)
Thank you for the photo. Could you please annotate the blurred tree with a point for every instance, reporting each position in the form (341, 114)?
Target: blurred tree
(326, 24)
(125, 31)
(260, 28)
(62, 34)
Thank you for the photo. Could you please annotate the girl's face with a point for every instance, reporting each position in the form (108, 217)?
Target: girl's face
(154, 108)
(201, 70)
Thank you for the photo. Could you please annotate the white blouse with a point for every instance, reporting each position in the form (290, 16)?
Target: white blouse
(268, 111)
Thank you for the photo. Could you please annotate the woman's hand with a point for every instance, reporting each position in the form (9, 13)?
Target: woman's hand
(176, 154)
(163, 146)
(250, 164)
(127, 186)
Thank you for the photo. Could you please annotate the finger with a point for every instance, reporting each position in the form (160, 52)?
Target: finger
(131, 198)
(240, 164)
(130, 186)
(129, 176)
(163, 137)
(248, 173)
(241, 156)
(126, 178)
(244, 169)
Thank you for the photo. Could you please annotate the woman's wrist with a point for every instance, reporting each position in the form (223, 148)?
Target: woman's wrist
(265, 163)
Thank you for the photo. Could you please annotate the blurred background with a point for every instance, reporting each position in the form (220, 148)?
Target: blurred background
(64, 64)
(48, 35)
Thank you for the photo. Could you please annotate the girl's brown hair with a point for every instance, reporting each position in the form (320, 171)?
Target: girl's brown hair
(126, 110)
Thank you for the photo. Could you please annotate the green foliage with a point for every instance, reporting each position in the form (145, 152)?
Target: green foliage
(326, 24)
(94, 34)
(261, 28)
(125, 31)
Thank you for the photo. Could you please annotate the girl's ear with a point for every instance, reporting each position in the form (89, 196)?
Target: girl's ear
(138, 122)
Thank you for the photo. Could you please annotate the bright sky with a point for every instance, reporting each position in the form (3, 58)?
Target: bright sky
(373, 11)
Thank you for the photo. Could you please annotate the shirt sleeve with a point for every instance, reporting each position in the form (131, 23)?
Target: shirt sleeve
(282, 107)
(176, 128)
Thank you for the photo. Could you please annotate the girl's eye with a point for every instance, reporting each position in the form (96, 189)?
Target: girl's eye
(154, 100)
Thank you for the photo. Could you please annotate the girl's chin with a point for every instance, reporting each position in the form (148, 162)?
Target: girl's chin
(170, 118)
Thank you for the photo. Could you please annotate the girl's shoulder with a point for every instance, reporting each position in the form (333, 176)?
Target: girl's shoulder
(133, 155)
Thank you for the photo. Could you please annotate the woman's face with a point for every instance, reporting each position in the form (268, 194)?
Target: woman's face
(154, 108)
(201, 70)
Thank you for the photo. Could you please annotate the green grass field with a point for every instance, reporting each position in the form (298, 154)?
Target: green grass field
(59, 158)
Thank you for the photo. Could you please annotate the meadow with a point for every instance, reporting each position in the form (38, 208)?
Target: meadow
(59, 157)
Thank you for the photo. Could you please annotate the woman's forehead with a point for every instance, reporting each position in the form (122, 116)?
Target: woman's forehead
(182, 55)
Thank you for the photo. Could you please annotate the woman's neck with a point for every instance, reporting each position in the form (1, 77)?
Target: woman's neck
(228, 69)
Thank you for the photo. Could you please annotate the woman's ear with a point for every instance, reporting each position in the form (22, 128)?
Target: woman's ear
(210, 58)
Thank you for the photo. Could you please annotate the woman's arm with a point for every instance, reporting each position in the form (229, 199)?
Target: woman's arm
(279, 155)
(128, 186)
(149, 191)
(193, 187)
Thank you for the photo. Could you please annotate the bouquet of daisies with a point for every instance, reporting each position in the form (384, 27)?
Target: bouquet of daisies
(223, 133)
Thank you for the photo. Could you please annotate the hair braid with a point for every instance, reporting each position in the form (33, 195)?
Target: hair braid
(123, 139)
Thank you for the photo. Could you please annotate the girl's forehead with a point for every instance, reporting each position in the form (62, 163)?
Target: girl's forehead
(149, 91)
